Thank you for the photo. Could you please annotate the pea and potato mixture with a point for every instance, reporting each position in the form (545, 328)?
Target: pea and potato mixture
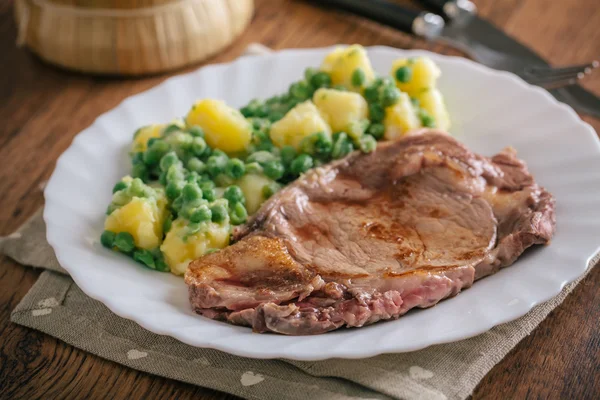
(193, 179)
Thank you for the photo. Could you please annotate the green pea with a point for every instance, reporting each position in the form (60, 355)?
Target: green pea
(367, 144)
(358, 77)
(275, 116)
(124, 242)
(107, 239)
(206, 185)
(145, 257)
(191, 192)
(256, 108)
(322, 145)
(192, 177)
(138, 189)
(151, 141)
(309, 73)
(140, 171)
(219, 153)
(270, 189)
(428, 121)
(196, 165)
(209, 194)
(177, 204)
(261, 141)
(376, 112)
(234, 194)
(151, 156)
(273, 169)
(288, 153)
(167, 160)
(198, 146)
(167, 223)
(318, 144)
(415, 102)
(201, 214)
(390, 96)
(196, 131)
(254, 168)
(219, 213)
(137, 158)
(383, 81)
(404, 74)
(376, 130)
(173, 189)
(216, 164)
(170, 129)
(175, 173)
(238, 214)
(235, 168)
(182, 141)
(159, 261)
(342, 146)
(300, 90)
(119, 186)
(371, 94)
(301, 164)
(320, 79)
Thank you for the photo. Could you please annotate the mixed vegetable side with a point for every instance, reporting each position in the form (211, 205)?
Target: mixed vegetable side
(193, 179)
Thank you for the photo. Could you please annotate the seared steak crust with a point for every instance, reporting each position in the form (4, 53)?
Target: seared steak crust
(371, 236)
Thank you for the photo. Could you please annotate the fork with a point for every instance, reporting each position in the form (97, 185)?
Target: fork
(550, 78)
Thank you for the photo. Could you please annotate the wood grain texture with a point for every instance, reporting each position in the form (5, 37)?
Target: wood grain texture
(42, 108)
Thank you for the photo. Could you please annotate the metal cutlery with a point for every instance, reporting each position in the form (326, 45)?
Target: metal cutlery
(480, 40)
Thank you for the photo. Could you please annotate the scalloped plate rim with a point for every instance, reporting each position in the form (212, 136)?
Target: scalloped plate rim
(88, 287)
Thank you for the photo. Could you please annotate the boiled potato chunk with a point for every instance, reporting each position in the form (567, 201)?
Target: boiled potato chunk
(225, 128)
(300, 122)
(432, 101)
(141, 137)
(252, 186)
(179, 248)
(424, 74)
(143, 218)
(331, 59)
(340, 109)
(342, 62)
(400, 118)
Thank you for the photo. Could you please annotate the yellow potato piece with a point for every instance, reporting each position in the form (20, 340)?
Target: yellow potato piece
(400, 118)
(331, 59)
(252, 187)
(342, 63)
(340, 109)
(225, 128)
(424, 74)
(140, 140)
(142, 218)
(180, 251)
(300, 122)
(433, 102)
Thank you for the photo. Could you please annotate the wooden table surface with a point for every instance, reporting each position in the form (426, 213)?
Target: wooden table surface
(42, 108)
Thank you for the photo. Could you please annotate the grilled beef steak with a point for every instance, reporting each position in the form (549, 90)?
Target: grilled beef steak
(371, 236)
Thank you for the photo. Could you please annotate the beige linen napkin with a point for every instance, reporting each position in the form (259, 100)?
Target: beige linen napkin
(56, 306)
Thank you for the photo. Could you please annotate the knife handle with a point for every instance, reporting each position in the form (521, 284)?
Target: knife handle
(451, 9)
(416, 22)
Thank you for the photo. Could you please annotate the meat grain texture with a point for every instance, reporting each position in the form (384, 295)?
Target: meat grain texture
(371, 236)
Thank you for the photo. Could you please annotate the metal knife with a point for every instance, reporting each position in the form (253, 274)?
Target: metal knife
(478, 38)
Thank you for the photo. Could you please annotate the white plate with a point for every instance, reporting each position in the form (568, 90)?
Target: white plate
(489, 109)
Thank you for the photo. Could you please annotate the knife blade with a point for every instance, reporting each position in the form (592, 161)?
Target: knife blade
(478, 38)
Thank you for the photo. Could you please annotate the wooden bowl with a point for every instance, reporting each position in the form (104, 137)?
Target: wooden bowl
(160, 35)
